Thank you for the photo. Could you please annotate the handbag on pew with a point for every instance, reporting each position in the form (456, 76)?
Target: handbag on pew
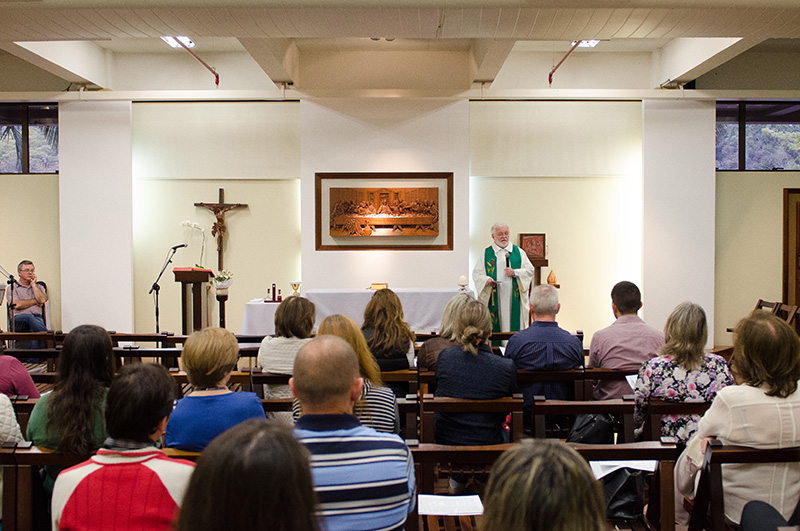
(623, 490)
(590, 428)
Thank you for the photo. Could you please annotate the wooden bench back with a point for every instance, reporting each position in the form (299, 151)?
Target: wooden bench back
(619, 407)
(658, 407)
(708, 509)
(430, 405)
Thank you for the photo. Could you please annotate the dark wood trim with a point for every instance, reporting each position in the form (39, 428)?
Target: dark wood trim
(787, 192)
(318, 178)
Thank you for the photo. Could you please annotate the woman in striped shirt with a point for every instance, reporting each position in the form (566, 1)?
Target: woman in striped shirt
(377, 407)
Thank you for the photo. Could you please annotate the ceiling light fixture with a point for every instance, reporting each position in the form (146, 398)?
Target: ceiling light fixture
(591, 43)
(173, 41)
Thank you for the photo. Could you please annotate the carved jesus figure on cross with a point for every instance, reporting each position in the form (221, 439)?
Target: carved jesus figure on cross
(218, 229)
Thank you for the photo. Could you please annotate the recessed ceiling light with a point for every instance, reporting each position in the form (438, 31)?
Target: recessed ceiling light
(587, 43)
(186, 40)
(173, 41)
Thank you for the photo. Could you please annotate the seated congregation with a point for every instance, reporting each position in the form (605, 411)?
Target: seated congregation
(333, 455)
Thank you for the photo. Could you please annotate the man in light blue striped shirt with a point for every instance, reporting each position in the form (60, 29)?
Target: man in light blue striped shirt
(364, 479)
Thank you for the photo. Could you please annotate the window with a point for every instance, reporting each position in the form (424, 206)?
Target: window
(758, 136)
(28, 138)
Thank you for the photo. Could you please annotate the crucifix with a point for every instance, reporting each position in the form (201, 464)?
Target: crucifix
(218, 229)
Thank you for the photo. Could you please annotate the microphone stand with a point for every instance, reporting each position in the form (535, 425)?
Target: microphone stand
(11, 282)
(156, 288)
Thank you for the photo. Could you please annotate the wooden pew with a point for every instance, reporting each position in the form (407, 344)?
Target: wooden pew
(620, 407)
(575, 376)
(658, 407)
(592, 374)
(427, 456)
(23, 405)
(19, 465)
(430, 405)
(708, 506)
(49, 337)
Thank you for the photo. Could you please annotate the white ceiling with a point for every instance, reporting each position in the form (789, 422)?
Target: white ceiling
(329, 43)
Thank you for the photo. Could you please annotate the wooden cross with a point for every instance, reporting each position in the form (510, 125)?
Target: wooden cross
(218, 229)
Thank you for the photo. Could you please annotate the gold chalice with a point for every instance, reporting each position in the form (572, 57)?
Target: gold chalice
(296, 287)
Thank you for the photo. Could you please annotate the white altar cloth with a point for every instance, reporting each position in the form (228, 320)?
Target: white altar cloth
(259, 318)
(422, 307)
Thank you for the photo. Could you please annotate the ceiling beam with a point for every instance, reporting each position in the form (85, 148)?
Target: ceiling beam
(78, 62)
(685, 59)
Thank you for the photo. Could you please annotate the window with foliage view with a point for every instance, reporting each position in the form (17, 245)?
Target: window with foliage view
(28, 138)
(758, 136)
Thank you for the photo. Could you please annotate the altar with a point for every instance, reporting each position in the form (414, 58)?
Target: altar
(422, 307)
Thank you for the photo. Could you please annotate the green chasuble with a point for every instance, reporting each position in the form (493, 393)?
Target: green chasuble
(492, 268)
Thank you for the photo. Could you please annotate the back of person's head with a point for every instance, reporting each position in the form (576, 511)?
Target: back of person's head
(766, 353)
(451, 313)
(474, 325)
(295, 317)
(344, 327)
(544, 300)
(87, 354)
(325, 370)
(384, 315)
(255, 476)
(208, 355)
(685, 335)
(384, 306)
(140, 397)
(86, 367)
(626, 297)
(542, 485)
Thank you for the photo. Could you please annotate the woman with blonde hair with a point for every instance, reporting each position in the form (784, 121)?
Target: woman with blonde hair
(377, 407)
(472, 371)
(209, 356)
(448, 333)
(388, 336)
(543, 485)
(681, 372)
(294, 320)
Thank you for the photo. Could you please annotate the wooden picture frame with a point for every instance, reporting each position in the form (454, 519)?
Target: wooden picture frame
(431, 230)
(533, 245)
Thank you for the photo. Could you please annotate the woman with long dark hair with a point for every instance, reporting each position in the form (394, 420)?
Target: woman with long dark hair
(70, 419)
(388, 336)
(253, 477)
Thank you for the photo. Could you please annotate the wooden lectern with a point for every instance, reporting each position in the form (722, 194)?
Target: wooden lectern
(192, 278)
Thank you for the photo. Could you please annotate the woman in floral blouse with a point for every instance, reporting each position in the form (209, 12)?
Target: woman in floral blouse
(681, 372)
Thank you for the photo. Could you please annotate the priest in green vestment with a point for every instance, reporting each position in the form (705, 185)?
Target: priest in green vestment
(502, 278)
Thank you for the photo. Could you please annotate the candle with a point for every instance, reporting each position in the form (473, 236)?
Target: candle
(462, 279)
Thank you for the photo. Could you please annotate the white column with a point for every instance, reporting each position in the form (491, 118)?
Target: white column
(95, 200)
(678, 207)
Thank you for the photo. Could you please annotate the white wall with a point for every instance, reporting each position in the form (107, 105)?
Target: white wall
(32, 236)
(679, 197)
(390, 135)
(749, 243)
(95, 214)
(544, 171)
(582, 69)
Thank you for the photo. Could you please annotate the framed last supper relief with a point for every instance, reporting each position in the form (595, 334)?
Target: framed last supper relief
(364, 211)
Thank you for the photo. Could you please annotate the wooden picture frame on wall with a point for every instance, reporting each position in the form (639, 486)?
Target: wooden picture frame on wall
(380, 211)
(533, 245)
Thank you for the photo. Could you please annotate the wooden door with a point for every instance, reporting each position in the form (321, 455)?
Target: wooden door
(791, 246)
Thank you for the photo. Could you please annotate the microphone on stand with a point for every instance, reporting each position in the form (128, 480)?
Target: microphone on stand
(176, 247)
